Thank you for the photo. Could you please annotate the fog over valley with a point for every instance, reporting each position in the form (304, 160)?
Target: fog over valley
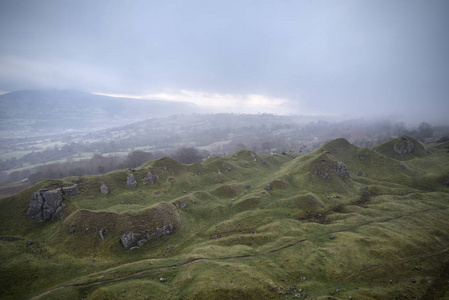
(224, 149)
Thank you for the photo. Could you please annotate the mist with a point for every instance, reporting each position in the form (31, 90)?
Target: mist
(340, 58)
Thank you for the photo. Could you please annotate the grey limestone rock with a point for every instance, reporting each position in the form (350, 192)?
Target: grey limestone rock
(45, 205)
(130, 239)
(142, 242)
(131, 182)
(342, 170)
(70, 190)
(403, 149)
(104, 189)
(151, 178)
(101, 233)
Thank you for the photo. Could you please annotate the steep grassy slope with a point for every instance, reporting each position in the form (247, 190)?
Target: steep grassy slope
(338, 222)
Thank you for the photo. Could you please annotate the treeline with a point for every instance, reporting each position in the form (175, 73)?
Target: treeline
(100, 164)
(224, 134)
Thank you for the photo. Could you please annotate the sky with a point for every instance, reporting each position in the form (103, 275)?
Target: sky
(336, 57)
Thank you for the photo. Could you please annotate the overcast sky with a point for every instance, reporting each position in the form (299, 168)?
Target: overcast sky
(287, 57)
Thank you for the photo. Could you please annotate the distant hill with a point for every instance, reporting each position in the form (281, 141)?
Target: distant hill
(51, 111)
(340, 222)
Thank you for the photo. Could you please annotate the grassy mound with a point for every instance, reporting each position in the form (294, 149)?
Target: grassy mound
(402, 148)
(339, 222)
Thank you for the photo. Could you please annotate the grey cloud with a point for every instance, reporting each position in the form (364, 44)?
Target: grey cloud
(331, 56)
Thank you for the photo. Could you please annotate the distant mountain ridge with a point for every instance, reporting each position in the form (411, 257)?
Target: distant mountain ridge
(59, 110)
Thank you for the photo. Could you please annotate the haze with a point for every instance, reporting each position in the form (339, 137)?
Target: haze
(353, 58)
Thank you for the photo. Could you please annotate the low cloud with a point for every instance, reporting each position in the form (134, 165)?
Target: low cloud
(230, 103)
(22, 73)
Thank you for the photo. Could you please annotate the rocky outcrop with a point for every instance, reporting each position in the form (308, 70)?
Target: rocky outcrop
(46, 205)
(405, 148)
(139, 239)
(151, 178)
(101, 233)
(342, 170)
(70, 190)
(130, 239)
(104, 189)
(131, 182)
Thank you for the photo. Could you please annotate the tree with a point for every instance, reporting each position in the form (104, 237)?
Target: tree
(137, 158)
(399, 129)
(425, 130)
(187, 155)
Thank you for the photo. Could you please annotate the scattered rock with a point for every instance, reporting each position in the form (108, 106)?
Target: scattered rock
(359, 173)
(132, 239)
(151, 178)
(142, 242)
(413, 280)
(361, 157)
(29, 243)
(162, 279)
(101, 233)
(404, 148)
(104, 189)
(247, 187)
(70, 190)
(87, 231)
(332, 237)
(342, 170)
(364, 193)
(170, 247)
(268, 187)
(131, 182)
(72, 229)
(45, 205)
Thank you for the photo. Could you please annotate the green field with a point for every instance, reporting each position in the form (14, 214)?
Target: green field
(341, 222)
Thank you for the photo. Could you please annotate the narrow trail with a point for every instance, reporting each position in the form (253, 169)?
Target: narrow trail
(103, 281)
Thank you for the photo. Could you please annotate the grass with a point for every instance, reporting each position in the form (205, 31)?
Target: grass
(236, 239)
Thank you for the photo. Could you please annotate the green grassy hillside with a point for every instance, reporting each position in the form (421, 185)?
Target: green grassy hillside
(341, 222)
